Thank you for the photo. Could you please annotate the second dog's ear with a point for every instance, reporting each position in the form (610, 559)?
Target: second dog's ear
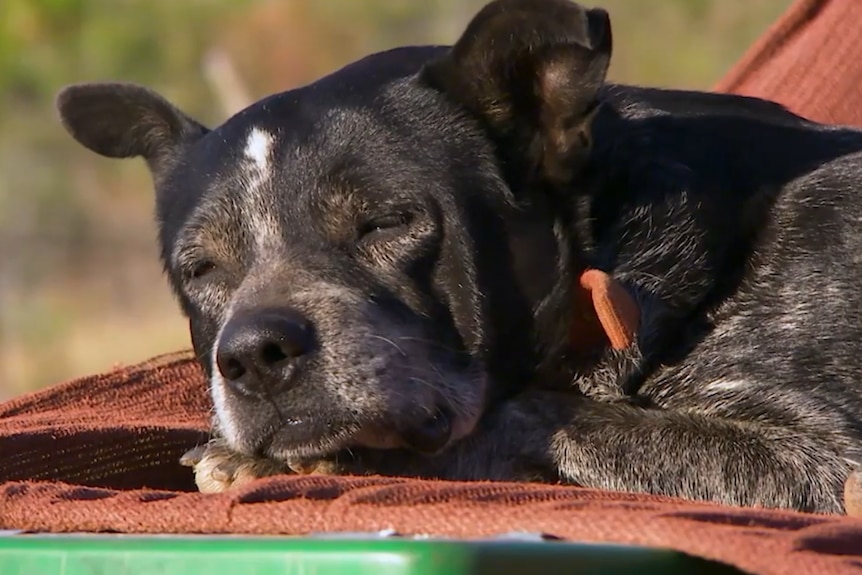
(125, 120)
(531, 71)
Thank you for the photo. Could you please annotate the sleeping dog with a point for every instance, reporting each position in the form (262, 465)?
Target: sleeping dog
(378, 270)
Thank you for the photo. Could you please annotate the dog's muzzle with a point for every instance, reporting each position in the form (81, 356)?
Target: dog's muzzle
(265, 356)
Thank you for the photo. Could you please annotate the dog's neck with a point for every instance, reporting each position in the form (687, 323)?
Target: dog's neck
(582, 311)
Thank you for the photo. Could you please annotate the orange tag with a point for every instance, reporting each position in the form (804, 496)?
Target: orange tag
(617, 313)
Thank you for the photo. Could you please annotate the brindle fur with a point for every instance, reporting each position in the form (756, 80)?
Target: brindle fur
(424, 209)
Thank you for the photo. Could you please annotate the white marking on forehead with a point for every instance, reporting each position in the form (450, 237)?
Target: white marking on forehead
(258, 147)
(257, 170)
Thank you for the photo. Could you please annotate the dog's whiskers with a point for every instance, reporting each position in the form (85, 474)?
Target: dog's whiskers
(390, 342)
(427, 384)
(431, 343)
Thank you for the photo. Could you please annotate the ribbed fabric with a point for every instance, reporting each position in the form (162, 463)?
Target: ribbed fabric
(125, 429)
(810, 60)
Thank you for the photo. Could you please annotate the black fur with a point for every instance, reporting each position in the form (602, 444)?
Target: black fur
(425, 208)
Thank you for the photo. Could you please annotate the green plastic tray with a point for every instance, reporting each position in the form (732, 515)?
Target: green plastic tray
(180, 555)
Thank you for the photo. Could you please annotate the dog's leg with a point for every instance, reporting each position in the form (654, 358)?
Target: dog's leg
(622, 447)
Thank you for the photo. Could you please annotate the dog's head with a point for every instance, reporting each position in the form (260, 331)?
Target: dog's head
(363, 259)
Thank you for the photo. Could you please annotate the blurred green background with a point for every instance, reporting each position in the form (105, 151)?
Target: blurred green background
(81, 289)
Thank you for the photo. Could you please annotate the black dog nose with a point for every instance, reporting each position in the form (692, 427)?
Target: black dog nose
(258, 350)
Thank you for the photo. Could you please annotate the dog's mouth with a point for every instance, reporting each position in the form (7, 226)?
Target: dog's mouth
(428, 436)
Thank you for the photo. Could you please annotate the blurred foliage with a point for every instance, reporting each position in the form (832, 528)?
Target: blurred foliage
(80, 284)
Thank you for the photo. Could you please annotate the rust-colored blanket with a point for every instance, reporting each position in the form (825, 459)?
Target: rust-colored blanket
(810, 60)
(101, 453)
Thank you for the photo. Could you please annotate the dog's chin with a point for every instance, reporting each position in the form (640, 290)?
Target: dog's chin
(428, 438)
(285, 447)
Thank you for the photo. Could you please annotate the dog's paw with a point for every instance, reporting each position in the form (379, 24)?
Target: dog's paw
(853, 494)
(218, 468)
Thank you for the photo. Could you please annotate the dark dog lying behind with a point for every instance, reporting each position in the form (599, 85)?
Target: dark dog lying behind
(377, 270)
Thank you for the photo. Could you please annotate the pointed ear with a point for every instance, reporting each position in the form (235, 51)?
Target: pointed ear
(124, 120)
(531, 71)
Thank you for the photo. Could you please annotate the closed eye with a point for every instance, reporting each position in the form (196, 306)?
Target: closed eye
(199, 269)
(384, 223)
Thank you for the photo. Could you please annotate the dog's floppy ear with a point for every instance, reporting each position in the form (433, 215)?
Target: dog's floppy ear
(531, 71)
(121, 120)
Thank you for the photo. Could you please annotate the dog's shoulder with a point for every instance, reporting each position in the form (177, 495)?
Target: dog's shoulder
(721, 141)
(640, 101)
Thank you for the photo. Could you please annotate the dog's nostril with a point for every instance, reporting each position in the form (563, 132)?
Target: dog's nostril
(272, 353)
(296, 338)
(232, 369)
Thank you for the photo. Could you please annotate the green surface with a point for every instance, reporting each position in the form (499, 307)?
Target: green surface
(120, 555)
